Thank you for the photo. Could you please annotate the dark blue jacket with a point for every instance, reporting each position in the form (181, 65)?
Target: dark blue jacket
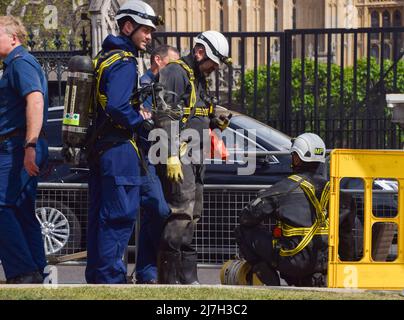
(145, 80)
(118, 83)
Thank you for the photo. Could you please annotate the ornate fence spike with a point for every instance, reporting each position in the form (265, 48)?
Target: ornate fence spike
(31, 43)
(72, 44)
(45, 44)
(57, 41)
(84, 42)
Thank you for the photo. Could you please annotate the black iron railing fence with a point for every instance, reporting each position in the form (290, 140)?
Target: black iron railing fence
(329, 81)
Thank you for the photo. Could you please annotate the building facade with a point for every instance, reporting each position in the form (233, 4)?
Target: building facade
(46, 16)
(276, 15)
(280, 15)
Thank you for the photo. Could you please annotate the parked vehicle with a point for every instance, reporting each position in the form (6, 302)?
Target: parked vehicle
(226, 191)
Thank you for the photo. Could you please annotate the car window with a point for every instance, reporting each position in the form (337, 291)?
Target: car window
(277, 139)
(237, 141)
(239, 144)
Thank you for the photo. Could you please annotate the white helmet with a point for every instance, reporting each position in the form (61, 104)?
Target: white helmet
(309, 147)
(140, 12)
(216, 46)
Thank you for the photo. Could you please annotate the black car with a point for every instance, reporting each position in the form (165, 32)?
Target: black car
(226, 191)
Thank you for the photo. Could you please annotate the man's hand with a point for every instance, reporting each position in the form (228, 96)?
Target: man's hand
(145, 113)
(29, 162)
(222, 122)
(174, 169)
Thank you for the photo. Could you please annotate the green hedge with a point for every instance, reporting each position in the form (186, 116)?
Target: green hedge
(348, 97)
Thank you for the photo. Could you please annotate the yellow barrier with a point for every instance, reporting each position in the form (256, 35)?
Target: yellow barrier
(366, 273)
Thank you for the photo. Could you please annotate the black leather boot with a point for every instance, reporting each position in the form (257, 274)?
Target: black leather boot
(30, 278)
(189, 270)
(168, 267)
(266, 274)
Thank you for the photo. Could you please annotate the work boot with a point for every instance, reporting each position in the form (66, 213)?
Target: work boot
(168, 267)
(29, 278)
(151, 281)
(189, 269)
(269, 276)
(319, 280)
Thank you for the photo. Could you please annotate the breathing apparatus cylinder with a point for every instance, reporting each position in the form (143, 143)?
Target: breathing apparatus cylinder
(78, 101)
(238, 273)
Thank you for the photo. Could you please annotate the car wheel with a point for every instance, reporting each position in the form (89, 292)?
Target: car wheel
(60, 228)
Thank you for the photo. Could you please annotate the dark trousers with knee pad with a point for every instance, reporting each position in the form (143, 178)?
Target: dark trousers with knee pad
(177, 262)
(257, 248)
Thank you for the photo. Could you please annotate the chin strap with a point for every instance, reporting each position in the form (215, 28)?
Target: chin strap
(136, 28)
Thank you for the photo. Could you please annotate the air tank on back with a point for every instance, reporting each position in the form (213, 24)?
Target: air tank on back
(78, 101)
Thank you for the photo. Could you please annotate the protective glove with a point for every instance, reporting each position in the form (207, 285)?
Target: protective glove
(222, 122)
(183, 149)
(174, 170)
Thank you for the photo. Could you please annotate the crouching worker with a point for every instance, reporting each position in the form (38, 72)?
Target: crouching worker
(297, 247)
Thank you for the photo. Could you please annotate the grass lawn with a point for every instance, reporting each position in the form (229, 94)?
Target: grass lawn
(181, 293)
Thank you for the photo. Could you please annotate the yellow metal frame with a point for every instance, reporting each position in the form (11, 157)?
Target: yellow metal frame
(366, 273)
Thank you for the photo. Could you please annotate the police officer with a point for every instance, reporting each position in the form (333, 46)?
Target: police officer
(115, 163)
(183, 183)
(155, 208)
(297, 247)
(23, 151)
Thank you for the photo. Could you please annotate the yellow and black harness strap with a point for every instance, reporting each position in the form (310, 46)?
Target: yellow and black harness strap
(192, 98)
(320, 225)
(198, 111)
(101, 63)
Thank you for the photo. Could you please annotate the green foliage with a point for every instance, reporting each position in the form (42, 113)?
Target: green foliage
(46, 17)
(338, 104)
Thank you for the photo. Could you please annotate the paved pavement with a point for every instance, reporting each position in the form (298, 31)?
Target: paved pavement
(74, 274)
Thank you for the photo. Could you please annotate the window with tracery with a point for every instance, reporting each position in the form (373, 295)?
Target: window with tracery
(390, 17)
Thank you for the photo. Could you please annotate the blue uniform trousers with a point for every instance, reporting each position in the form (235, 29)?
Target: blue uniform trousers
(21, 244)
(114, 185)
(155, 211)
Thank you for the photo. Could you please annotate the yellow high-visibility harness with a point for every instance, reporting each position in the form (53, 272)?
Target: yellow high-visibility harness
(202, 112)
(111, 57)
(320, 225)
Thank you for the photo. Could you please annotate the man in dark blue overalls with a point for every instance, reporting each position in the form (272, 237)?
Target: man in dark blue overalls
(155, 208)
(23, 151)
(116, 161)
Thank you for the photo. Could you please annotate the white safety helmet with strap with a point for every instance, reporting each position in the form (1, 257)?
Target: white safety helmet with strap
(309, 147)
(140, 12)
(216, 46)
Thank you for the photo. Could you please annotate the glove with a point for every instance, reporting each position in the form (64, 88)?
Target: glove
(183, 149)
(174, 170)
(222, 122)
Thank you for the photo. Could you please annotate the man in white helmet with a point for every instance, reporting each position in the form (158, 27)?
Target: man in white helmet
(297, 245)
(183, 183)
(117, 167)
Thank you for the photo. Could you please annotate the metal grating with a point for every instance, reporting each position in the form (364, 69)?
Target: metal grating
(214, 238)
(64, 203)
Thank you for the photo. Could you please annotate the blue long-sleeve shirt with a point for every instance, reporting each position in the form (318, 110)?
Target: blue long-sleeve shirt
(145, 80)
